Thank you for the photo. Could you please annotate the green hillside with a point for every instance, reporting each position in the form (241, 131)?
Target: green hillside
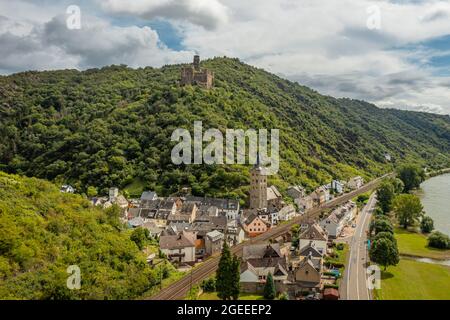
(44, 231)
(112, 127)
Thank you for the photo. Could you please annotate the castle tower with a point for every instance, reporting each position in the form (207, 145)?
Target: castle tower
(258, 187)
(197, 62)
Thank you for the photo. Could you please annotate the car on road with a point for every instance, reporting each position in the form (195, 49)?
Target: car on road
(354, 225)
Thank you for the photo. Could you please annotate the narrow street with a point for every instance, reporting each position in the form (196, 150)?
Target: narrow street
(354, 284)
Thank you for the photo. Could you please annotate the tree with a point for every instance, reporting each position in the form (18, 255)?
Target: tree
(236, 278)
(384, 252)
(398, 185)
(411, 176)
(381, 224)
(438, 240)
(385, 195)
(385, 235)
(227, 275)
(408, 209)
(426, 224)
(91, 191)
(140, 237)
(269, 288)
(209, 285)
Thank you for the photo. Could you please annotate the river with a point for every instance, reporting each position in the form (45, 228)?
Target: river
(435, 198)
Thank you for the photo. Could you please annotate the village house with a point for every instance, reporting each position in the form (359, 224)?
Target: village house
(296, 192)
(315, 237)
(257, 262)
(286, 213)
(305, 203)
(227, 207)
(319, 196)
(336, 186)
(179, 248)
(355, 183)
(67, 189)
(187, 213)
(157, 210)
(149, 196)
(201, 227)
(274, 197)
(339, 218)
(235, 233)
(308, 275)
(153, 229)
(214, 242)
(254, 225)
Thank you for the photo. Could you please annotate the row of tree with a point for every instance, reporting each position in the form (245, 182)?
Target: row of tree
(396, 202)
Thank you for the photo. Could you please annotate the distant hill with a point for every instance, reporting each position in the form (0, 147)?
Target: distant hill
(44, 231)
(112, 127)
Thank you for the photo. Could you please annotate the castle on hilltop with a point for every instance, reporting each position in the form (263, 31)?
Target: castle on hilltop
(194, 75)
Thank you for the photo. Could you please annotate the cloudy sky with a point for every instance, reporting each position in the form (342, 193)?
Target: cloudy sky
(395, 53)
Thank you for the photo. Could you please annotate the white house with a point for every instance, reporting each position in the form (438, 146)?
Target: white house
(178, 248)
(337, 186)
(355, 182)
(67, 189)
(286, 213)
(315, 237)
(338, 219)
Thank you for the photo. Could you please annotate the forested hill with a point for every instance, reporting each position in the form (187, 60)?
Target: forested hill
(112, 127)
(44, 231)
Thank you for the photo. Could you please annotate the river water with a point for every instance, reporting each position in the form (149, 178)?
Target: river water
(435, 198)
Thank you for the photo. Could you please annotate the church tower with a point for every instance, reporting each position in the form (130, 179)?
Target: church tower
(258, 187)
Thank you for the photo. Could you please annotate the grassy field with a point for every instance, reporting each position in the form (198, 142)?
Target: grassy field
(412, 280)
(415, 244)
(243, 296)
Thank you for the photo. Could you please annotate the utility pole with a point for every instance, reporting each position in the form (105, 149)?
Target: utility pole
(190, 285)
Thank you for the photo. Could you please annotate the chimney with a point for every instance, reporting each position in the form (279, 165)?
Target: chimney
(196, 62)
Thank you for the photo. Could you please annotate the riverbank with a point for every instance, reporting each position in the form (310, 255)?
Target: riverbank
(415, 278)
(437, 173)
(434, 194)
(415, 245)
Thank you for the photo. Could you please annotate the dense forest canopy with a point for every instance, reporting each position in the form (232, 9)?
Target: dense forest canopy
(44, 231)
(112, 127)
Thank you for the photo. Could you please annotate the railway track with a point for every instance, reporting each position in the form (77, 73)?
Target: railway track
(179, 289)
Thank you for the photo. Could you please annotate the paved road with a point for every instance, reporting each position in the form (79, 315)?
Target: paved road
(355, 280)
(180, 288)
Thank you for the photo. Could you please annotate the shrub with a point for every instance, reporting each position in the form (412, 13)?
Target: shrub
(438, 240)
(283, 296)
(329, 285)
(333, 263)
(209, 285)
(426, 224)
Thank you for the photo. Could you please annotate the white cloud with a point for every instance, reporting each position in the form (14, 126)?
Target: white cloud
(323, 44)
(326, 44)
(53, 46)
(207, 13)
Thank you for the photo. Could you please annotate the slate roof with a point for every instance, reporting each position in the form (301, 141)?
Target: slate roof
(314, 232)
(222, 204)
(306, 251)
(260, 251)
(175, 242)
(148, 195)
(273, 193)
